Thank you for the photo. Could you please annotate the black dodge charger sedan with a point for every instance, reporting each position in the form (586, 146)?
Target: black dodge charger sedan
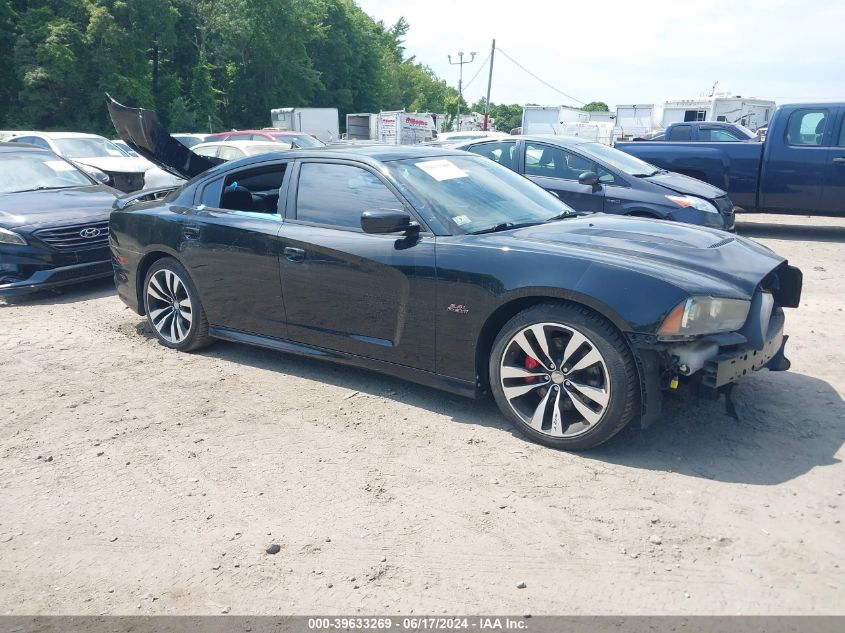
(444, 268)
(53, 222)
(592, 177)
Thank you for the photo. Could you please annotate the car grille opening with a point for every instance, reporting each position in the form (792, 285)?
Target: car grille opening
(127, 182)
(77, 237)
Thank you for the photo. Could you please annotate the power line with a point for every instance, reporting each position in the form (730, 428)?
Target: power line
(483, 64)
(545, 83)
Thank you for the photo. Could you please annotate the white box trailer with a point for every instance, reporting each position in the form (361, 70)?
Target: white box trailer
(362, 126)
(634, 120)
(319, 122)
(550, 119)
(405, 128)
(751, 112)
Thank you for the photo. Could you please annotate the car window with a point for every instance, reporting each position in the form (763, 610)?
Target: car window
(32, 140)
(842, 135)
(88, 147)
(240, 137)
(255, 190)
(502, 153)
(30, 171)
(681, 133)
(337, 195)
(206, 151)
(555, 162)
(806, 127)
(230, 153)
(710, 134)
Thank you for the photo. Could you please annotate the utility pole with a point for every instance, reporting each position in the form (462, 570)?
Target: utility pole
(489, 84)
(460, 63)
(152, 53)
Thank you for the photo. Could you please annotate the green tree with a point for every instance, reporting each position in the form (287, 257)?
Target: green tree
(8, 81)
(596, 106)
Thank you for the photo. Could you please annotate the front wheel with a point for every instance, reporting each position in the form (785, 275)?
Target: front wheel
(173, 307)
(564, 376)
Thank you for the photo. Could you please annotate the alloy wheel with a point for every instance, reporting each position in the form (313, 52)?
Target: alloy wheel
(169, 306)
(555, 379)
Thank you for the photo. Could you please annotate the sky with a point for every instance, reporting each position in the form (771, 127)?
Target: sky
(634, 51)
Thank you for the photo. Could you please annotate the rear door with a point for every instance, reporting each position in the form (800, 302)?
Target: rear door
(794, 169)
(557, 170)
(230, 244)
(833, 196)
(350, 291)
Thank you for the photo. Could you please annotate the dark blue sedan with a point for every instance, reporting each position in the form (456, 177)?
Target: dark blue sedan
(589, 176)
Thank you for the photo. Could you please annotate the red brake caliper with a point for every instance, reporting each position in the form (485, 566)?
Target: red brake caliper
(531, 364)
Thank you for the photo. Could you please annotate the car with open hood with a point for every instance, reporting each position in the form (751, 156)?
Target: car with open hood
(445, 268)
(591, 177)
(54, 222)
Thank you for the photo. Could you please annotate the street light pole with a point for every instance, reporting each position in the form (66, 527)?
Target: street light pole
(460, 64)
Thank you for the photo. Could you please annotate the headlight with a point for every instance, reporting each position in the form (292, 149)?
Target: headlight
(696, 203)
(10, 237)
(705, 315)
(97, 174)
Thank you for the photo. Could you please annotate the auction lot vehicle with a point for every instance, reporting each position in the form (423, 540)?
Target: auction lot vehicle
(296, 139)
(592, 177)
(53, 222)
(800, 168)
(232, 150)
(445, 268)
(702, 132)
(322, 123)
(97, 155)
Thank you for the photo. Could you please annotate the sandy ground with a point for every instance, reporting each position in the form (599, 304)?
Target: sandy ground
(137, 480)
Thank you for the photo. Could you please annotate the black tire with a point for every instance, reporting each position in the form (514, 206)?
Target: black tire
(616, 373)
(196, 335)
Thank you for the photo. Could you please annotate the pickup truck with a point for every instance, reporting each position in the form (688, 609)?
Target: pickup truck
(702, 131)
(800, 168)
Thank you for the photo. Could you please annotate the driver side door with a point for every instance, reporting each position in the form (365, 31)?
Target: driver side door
(350, 291)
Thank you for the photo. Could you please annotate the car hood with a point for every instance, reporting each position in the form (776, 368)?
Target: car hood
(142, 131)
(60, 206)
(685, 185)
(696, 259)
(117, 164)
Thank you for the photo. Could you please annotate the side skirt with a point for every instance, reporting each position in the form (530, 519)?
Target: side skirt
(430, 379)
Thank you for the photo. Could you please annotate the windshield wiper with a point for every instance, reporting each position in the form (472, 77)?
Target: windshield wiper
(504, 226)
(562, 216)
(41, 189)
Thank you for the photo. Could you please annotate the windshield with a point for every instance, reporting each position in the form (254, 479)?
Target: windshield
(188, 141)
(38, 171)
(618, 159)
(88, 148)
(471, 194)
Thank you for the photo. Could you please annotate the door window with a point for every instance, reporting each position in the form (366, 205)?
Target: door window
(709, 134)
(206, 151)
(555, 162)
(806, 127)
(337, 195)
(502, 153)
(842, 135)
(681, 133)
(32, 140)
(255, 190)
(230, 153)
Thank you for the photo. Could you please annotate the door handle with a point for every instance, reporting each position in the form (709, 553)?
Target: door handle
(294, 254)
(191, 232)
(840, 159)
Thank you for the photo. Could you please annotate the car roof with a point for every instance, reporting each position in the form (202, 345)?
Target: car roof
(551, 139)
(272, 132)
(238, 143)
(54, 135)
(9, 148)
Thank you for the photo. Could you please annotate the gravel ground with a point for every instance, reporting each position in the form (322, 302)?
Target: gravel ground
(137, 480)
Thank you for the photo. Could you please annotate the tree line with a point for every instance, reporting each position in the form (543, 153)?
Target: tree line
(203, 65)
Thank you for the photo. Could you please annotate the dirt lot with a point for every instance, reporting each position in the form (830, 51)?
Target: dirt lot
(137, 480)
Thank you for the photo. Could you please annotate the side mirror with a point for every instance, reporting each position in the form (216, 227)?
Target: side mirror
(589, 178)
(387, 221)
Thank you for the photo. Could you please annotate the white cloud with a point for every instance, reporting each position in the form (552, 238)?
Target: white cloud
(632, 51)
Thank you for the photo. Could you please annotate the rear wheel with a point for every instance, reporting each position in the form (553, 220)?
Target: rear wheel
(173, 307)
(564, 376)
